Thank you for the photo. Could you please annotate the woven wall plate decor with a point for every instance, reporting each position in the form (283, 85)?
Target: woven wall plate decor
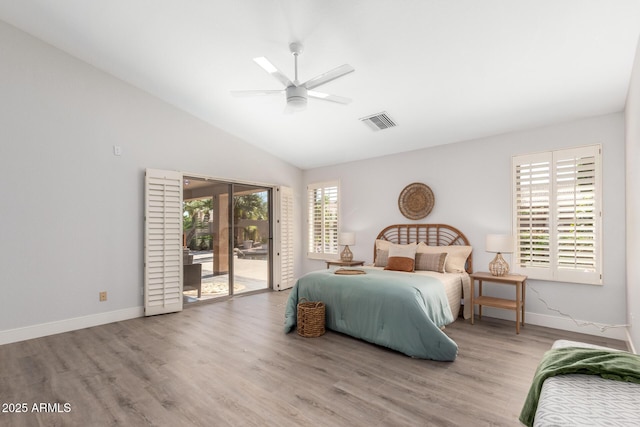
(416, 201)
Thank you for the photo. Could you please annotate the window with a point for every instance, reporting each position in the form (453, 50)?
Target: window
(323, 210)
(557, 218)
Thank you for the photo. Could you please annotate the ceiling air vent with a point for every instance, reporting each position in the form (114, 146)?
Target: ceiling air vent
(379, 121)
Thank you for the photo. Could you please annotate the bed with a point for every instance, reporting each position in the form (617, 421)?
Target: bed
(581, 399)
(402, 310)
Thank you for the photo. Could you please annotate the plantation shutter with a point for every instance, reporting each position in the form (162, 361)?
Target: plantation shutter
(578, 214)
(323, 210)
(163, 242)
(532, 194)
(284, 261)
(557, 215)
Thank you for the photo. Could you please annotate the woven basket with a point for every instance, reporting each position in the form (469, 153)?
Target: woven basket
(311, 318)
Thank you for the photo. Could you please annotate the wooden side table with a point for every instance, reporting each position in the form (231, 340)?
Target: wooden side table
(344, 263)
(517, 305)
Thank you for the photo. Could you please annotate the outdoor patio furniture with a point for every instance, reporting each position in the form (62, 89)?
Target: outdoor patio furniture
(193, 278)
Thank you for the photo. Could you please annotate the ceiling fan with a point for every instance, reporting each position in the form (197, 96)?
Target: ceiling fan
(296, 92)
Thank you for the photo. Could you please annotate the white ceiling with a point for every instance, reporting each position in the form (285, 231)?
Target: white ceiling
(444, 70)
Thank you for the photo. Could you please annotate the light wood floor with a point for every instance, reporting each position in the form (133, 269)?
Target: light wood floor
(229, 363)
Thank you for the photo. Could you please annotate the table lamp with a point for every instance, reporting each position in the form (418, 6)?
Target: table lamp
(499, 243)
(346, 238)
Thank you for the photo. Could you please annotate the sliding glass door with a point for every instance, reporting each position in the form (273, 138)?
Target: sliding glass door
(227, 238)
(251, 238)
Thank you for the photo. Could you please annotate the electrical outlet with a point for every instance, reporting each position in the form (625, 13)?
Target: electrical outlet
(103, 296)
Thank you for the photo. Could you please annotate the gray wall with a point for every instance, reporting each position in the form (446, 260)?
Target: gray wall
(471, 182)
(72, 212)
(632, 122)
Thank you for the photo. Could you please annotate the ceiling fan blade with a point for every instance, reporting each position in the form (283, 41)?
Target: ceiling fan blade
(266, 65)
(328, 76)
(240, 93)
(327, 97)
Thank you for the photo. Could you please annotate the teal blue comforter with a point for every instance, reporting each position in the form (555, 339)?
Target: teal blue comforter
(401, 311)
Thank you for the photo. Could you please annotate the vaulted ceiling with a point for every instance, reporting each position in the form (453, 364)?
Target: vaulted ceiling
(444, 70)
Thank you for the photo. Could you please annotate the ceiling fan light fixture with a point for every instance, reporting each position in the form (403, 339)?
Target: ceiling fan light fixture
(297, 97)
(297, 103)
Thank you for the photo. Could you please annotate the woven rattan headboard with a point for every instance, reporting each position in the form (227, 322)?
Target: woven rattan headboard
(431, 234)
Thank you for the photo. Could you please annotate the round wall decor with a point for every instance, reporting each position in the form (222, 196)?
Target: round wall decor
(416, 201)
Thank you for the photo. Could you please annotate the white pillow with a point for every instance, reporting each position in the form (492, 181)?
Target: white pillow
(404, 251)
(383, 245)
(456, 258)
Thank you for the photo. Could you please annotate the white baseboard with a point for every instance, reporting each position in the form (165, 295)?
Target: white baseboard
(561, 323)
(66, 325)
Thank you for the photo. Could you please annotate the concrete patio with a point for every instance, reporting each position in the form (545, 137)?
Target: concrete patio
(249, 275)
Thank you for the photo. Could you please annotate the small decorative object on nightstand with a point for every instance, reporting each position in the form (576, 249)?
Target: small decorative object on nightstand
(499, 243)
(346, 238)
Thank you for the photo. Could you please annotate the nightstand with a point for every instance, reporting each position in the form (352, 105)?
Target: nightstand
(344, 263)
(517, 305)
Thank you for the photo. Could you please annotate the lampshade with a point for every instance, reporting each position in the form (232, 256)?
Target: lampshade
(347, 238)
(499, 243)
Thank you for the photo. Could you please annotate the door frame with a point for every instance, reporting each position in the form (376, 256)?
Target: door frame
(273, 258)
